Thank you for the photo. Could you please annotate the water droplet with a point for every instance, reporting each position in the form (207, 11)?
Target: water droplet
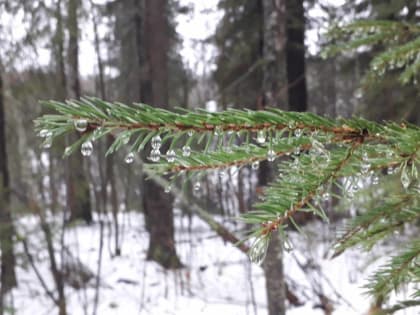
(190, 133)
(295, 164)
(390, 170)
(154, 155)
(375, 180)
(67, 151)
(291, 124)
(80, 125)
(298, 133)
(45, 133)
(186, 151)
(296, 151)
(326, 196)
(170, 156)
(358, 93)
(258, 249)
(255, 165)
(168, 188)
(261, 137)
(97, 133)
(86, 148)
(125, 139)
(218, 131)
(405, 178)
(129, 158)
(156, 142)
(47, 143)
(365, 164)
(197, 186)
(355, 187)
(271, 155)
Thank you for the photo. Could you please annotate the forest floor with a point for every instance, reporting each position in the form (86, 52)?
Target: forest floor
(217, 278)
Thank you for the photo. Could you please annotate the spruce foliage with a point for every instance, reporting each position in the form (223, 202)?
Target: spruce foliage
(313, 154)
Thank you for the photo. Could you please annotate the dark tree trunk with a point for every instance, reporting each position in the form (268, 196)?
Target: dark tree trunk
(295, 55)
(8, 276)
(142, 31)
(275, 85)
(61, 95)
(157, 204)
(78, 197)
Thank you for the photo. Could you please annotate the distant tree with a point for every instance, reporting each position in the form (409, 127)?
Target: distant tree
(8, 261)
(78, 195)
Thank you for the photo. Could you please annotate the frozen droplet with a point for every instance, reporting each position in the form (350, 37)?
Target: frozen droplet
(47, 143)
(45, 133)
(197, 186)
(129, 158)
(168, 188)
(296, 151)
(186, 151)
(261, 137)
(405, 178)
(271, 155)
(375, 180)
(81, 124)
(298, 133)
(390, 170)
(255, 165)
(258, 249)
(156, 142)
(170, 156)
(86, 148)
(154, 155)
(190, 133)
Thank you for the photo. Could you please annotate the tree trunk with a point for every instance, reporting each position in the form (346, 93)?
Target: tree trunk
(157, 204)
(295, 50)
(8, 276)
(275, 94)
(78, 197)
(142, 31)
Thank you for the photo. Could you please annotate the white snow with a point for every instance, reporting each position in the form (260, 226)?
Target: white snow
(217, 279)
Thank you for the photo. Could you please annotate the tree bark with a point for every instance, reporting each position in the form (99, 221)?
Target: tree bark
(142, 31)
(78, 196)
(8, 262)
(275, 85)
(157, 204)
(295, 55)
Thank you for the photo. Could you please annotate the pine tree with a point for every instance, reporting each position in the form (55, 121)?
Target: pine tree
(317, 153)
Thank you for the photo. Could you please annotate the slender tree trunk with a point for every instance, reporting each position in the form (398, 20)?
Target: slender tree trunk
(61, 93)
(7, 264)
(275, 95)
(78, 197)
(157, 204)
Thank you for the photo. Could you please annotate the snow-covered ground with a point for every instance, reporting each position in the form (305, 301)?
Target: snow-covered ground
(217, 279)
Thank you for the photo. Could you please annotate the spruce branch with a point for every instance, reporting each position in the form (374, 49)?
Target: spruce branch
(312, 153)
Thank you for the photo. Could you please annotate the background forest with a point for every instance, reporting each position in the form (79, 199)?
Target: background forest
(92, 234)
